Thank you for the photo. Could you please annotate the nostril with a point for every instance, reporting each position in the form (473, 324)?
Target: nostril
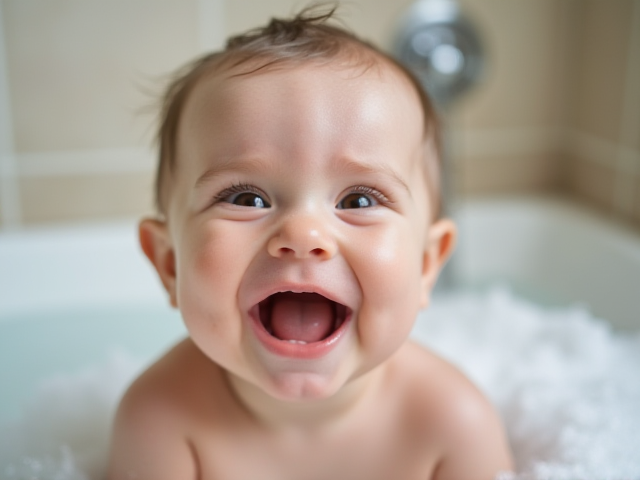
(290, 243)
(286, 251)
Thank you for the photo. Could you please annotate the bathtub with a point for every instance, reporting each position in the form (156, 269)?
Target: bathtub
(552, 251)
(70, 296)
(74, 298)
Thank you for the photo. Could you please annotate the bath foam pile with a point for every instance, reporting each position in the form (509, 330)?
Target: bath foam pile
(567, 388)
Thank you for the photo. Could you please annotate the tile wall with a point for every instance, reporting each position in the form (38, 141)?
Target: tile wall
(77, 80)
(603, 138)
(558, 108)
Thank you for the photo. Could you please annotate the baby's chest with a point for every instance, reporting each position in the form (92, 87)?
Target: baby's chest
(364, 458)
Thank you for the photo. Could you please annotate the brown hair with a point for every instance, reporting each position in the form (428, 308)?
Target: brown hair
(306, 37)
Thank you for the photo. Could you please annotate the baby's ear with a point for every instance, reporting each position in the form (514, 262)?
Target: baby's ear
(156, 245)
(441, 240)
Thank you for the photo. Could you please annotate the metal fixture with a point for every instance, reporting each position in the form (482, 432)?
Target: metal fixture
(441, 47)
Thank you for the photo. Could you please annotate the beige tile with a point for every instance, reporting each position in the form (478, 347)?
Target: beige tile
(600, 75)
(630, 134)
(509, 174)
(525, 41)
(51, 199)
(80, 70)
(592, 183)
(569, 53)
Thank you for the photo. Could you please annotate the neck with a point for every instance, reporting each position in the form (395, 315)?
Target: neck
(309, 414)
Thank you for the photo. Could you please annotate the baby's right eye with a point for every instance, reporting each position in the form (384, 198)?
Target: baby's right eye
(249, 199)
(244, 196)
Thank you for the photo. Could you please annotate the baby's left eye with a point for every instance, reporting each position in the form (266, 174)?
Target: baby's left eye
(243, 195)
(362, 197)
(356, 200)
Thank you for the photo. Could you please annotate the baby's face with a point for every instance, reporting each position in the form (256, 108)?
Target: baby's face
(299, 224)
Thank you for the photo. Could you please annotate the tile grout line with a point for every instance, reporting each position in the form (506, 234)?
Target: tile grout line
(10, 205)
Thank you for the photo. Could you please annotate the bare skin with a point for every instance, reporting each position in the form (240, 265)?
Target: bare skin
(417, 418)
(306, 181)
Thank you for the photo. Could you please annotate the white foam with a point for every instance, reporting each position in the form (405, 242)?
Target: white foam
(567, 387)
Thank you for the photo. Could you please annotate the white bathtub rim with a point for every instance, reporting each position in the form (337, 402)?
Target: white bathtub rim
(39, 271)
(552, 244)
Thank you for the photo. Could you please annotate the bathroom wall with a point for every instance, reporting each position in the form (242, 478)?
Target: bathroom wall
(76, 78)
(558, 108)
(507, 132)
(603, 123)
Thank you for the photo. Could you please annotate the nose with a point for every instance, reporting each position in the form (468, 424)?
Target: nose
(302, 237)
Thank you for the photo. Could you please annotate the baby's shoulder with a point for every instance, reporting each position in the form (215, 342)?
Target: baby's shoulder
(180, 388)
(450, 413)
(159, 415)
(433, 382)
(438, 394)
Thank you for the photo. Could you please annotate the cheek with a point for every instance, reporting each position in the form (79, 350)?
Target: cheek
(210, 268)
(389, 269)
(390, 264)
(207, 259)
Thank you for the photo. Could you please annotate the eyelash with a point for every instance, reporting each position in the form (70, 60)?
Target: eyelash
(374, 192)
(237, 188)
(245, 187)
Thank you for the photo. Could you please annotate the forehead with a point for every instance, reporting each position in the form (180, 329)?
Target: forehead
(358, 102)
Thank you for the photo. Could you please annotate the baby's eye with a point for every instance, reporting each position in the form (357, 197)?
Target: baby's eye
(356, 200)
(249, 199)
(243, 195)
(361, 197)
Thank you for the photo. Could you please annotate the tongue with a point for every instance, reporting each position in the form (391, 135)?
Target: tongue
(306, 317)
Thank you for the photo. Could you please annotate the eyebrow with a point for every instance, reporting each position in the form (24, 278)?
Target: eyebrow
(354, 167)
(244, 165)
(349, 166)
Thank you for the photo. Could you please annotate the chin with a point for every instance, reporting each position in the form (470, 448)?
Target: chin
(302, 386)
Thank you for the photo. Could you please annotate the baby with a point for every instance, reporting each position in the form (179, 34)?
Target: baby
(299, 237)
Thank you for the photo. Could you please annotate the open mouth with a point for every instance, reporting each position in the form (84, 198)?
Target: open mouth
(301, 318)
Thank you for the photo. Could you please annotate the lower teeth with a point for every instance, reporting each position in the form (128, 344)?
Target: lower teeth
(299, 342)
